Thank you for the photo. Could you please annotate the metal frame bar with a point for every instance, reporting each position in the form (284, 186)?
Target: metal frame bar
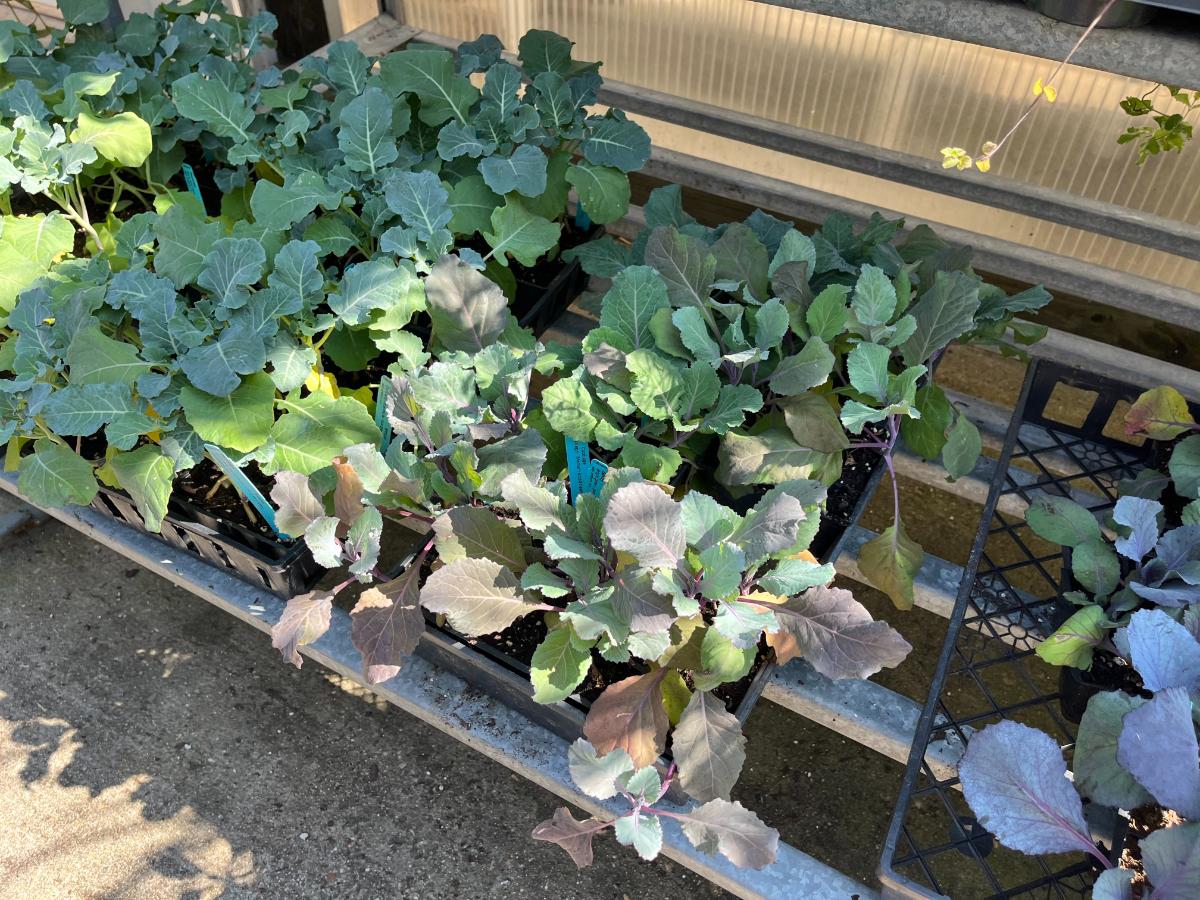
(443, 700)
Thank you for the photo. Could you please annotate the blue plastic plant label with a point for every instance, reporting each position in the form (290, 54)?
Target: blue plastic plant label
(245, 486)
(189, 177)
(582, 220)
(585, 474)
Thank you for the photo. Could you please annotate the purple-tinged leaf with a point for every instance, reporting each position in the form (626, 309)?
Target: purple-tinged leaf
(475, 532)
(646, 523)
(304, 619)
(774, 522)
(709, 747)
(1141, 517)
(479, 596)
(572, 835)
(647, 610)
(1113, 884)
(1158, 747)
(1172, 860)
(1172, 595)
(836, 634)
(630, 716)
(1179, 548)
(1015, 780)
(1164, 653)
(386, 625)
(595, 774)
(739, 835)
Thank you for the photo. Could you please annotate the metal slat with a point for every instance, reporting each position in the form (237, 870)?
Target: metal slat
(444, 701)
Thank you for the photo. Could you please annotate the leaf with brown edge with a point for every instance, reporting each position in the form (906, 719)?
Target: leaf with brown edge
(347, 494)
(386, 625)
(709, 747)
(304, 619)
(739, 835)
(479, 596)
(571, 834)
(630, 715)
(836, 634)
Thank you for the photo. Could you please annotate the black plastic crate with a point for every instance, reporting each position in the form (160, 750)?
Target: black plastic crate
(1010, 600)
(285, 569)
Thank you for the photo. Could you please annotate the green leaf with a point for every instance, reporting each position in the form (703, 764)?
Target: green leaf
(926, 436)
(471, 205)
(963, 446)
(741, 256)
(733, 402)
(315, 429)
(82, 409)
(655, 463)
(241, 421)
(1095, 566)
(40, 238)
(421, 200)
(1098, 774)
(890, 562)
(475, 532)
(184, 240)
(657, 381)
(1061, 521)
(1184, 466)
(570, 409)
(944, 312)
(229, 267)
(814, 423)
(554, 100)
(456, 139)
(694, 333)
(770, 324)
(874, 300)
(84, 12)
(1074, 641)
(331, 234)
(544, 51)
(794, 247)
(723, 662)
(523, 171)
(558, 666)
(209, 101)
(603, 191)
(469, 312)
(518, 232)
(278, 208)
(430, 74)
(803, 371)
(685, 264)
(53, 475)
(478, 596)
(123, 138)
(637, 293)
(867, 367)
(377, 285)
(365, 132)
(623, 145)
(722, 567)
(348, 67)
(95, 358)
(215, 367)
(766, 458)
(146, 475)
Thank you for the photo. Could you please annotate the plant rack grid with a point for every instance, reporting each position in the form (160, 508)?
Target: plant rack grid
(1008, 602)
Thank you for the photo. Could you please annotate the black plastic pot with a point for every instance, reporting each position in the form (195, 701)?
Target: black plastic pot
(541, 307)
(285, 569)
(1077, 686)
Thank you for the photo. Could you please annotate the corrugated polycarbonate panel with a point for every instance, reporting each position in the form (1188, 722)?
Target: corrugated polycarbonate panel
(895, 89)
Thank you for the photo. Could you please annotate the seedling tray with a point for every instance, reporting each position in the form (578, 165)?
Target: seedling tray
(284, 569)
(1010, 600)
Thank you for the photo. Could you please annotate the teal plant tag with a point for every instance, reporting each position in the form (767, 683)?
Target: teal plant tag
(586, 474)
(381, 419)
(581, 218)
(189, 177)
(246, 486)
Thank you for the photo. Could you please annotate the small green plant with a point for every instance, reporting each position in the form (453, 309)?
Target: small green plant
(1171, 130)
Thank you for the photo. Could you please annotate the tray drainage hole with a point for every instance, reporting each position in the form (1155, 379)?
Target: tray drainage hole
(265, 578)
(970, 838)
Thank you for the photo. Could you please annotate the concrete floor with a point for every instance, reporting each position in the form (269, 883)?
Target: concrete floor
(151, 746)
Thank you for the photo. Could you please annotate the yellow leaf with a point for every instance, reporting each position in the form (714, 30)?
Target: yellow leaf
(764, 597)
(989, 147)
(983, 164)
(949, 162)
(1051, 94)
(366, 396)
(322, 383)
(1037, 88)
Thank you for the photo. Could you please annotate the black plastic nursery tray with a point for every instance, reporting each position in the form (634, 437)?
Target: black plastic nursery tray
(285, 569)
(1009, 600)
